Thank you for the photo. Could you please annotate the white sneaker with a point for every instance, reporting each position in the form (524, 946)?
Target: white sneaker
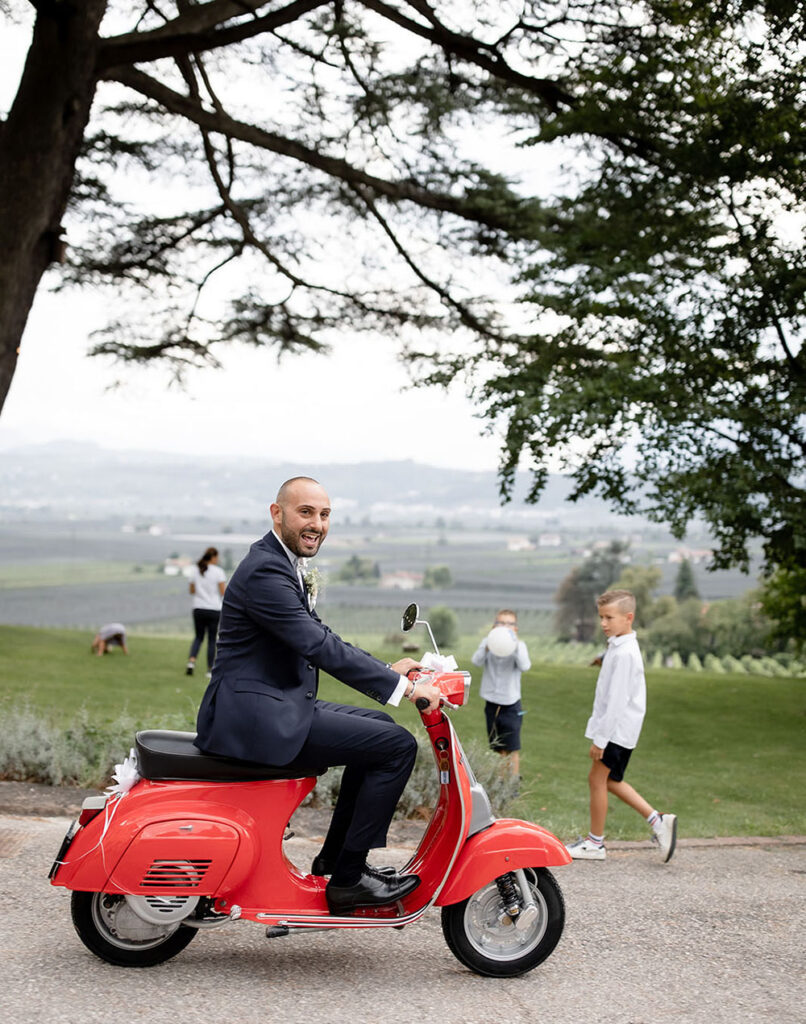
(584, 849)
(666, 836)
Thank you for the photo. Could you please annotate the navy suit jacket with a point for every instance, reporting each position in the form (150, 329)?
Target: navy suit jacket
(260, 700)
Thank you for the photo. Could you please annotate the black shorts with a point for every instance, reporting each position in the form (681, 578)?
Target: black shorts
(616, 758)
(504, 725)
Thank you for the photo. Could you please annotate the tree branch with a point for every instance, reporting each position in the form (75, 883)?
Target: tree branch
(220, 122)
(468, 318)
(483, 55)
(195, 32)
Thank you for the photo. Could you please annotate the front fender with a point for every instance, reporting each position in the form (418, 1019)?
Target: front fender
(508, 844)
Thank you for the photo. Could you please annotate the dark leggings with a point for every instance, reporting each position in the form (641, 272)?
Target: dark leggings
(205, 620)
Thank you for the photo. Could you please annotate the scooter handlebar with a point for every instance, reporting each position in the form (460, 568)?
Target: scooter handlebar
(451, 684)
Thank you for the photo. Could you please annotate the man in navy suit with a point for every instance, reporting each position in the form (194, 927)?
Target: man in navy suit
(261, 702)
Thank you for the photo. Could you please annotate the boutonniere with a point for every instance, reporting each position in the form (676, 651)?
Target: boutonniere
(312, 579)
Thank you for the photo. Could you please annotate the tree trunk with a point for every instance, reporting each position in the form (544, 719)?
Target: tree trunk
(39, 143)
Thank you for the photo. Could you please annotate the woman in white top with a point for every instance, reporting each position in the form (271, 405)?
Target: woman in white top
(207, 586)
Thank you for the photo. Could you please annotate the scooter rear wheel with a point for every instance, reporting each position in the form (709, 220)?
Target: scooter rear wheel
(484, 938)
(112, 931)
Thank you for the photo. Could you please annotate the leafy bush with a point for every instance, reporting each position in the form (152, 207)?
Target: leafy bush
(437, 577)
(78, 753)
(492, 771)
(422, 789)
(444, 625)
(694, 664)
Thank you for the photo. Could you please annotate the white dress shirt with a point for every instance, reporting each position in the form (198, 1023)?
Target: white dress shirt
(619, 704)
(404, 684)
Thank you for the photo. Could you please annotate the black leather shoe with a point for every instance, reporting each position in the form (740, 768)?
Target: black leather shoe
(321, 866)
(370, 891)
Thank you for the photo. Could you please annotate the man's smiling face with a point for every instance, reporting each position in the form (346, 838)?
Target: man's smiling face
(303, 517)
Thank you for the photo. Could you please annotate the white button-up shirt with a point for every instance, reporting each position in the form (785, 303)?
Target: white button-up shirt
(619, 704)
(403, 684)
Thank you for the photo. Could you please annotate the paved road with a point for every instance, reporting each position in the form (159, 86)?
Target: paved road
(715, 936)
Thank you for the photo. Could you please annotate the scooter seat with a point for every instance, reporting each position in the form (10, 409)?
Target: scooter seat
(166, 756)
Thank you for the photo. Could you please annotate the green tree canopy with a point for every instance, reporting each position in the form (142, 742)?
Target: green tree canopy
(783, 601)
(437, 577)
(264, 172)
(444, 626)
(685, 586)
(358, 569)
(664, 364)
(576, 616)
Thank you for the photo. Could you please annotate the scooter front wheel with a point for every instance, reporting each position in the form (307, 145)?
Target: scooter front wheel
(486, 939)
(110, 929)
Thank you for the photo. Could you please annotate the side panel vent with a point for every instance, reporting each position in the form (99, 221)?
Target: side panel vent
(172, 874)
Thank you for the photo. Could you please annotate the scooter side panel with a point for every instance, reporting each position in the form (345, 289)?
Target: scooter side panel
(508, 844)
(255, 811)
(182, 857)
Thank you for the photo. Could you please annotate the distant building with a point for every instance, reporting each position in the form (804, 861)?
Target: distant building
(695, 556)
(520, 544)
(549, 540)
(401, 580)
(178, 566)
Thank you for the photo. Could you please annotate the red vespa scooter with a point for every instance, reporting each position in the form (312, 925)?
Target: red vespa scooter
(197, 843)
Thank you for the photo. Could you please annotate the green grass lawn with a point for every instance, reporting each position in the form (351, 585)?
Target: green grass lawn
(725, 752)
(57, 574)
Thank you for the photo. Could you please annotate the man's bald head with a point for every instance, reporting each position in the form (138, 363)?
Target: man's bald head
(290, 485)
(301, 515)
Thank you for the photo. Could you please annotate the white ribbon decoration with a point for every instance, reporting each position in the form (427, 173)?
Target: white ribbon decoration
(125, 775)
(438, 662)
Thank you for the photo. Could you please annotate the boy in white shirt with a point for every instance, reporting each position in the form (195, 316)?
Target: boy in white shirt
(619, 706)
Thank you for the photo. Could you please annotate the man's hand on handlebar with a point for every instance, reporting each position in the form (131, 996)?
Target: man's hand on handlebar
(406, 665)
(426, 689)
(422, 687)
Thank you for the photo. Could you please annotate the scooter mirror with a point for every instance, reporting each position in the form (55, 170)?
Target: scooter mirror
(410, 616)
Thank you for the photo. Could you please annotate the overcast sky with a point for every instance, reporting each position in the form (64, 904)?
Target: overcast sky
(350, 406)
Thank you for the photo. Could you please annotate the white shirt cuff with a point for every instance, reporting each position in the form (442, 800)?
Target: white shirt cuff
(399, 691)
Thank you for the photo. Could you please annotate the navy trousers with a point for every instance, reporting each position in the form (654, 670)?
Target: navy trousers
(378, 756)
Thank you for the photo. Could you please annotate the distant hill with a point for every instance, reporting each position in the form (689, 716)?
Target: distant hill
(88, 481)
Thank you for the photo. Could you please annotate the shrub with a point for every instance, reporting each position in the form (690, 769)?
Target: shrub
(437, 577)
(444, 625)
(78, 753)
(422, 789)
(694, 664)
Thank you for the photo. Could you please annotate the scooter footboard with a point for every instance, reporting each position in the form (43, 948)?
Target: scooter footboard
(508, 844)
